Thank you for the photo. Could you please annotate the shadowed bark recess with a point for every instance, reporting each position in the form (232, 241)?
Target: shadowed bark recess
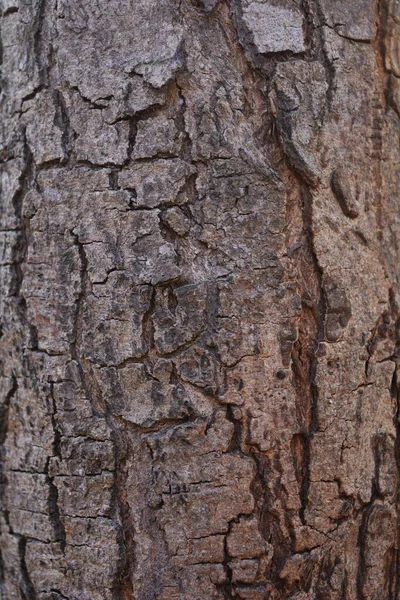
(199, 300)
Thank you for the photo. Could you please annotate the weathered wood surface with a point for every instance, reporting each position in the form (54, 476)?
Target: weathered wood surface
(200, 299)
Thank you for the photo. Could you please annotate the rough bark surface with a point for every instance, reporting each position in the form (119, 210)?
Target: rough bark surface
(200, 295)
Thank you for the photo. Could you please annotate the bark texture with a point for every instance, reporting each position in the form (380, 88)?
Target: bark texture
(200, 295)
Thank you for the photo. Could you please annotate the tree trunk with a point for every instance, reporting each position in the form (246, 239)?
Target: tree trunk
(200, 298)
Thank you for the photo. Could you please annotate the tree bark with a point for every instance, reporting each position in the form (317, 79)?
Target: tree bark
(200, 296)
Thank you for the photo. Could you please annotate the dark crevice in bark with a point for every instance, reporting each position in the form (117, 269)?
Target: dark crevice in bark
(57, 163)
(186, 149)
(123, 586)
(395, 394)
(26, 587)
(397, 451)
(227, 588)
(57, 434)
(381, 102)
(20, 249)
(76, 338)
(304, 355)
(148, 324)
(19, 307)
(189, 190)
(4, 412)
(131, 138)
(323, 54)
(382, 23)
(312, 41)
(361, 542)
(39, 22)
(236, 441)
(302, 468)
(297, 162)
(113, 178)
(158, 556)
(3, 591)
(141, 115)
(305, 360)
(319, 309)
(3, 87)
(9, 11)
(378, 448)
(32, 95)
(59, 594)
(63, 123)
(54, 512)
(267, 493)
(95, 105)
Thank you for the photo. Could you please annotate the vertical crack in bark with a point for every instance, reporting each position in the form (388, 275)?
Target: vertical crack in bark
(395, 394)
(304, 355)
(377, 157)
(382, 22)
(392, 577)
(268, 469)
(4, 412)
(26, 587)
(361, 542)
(122, 586)
(63, 123)
(38, 40)
(227, 588)
(76, 338)
(88, 380)
(322, 52)
(54, 510)
(305, 360)
(20, 248)
(139, 116)
(380, 104)
(3, 590)
(19, 307)
(131, 137)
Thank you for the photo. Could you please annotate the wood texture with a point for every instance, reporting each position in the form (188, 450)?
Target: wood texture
(199, 299)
